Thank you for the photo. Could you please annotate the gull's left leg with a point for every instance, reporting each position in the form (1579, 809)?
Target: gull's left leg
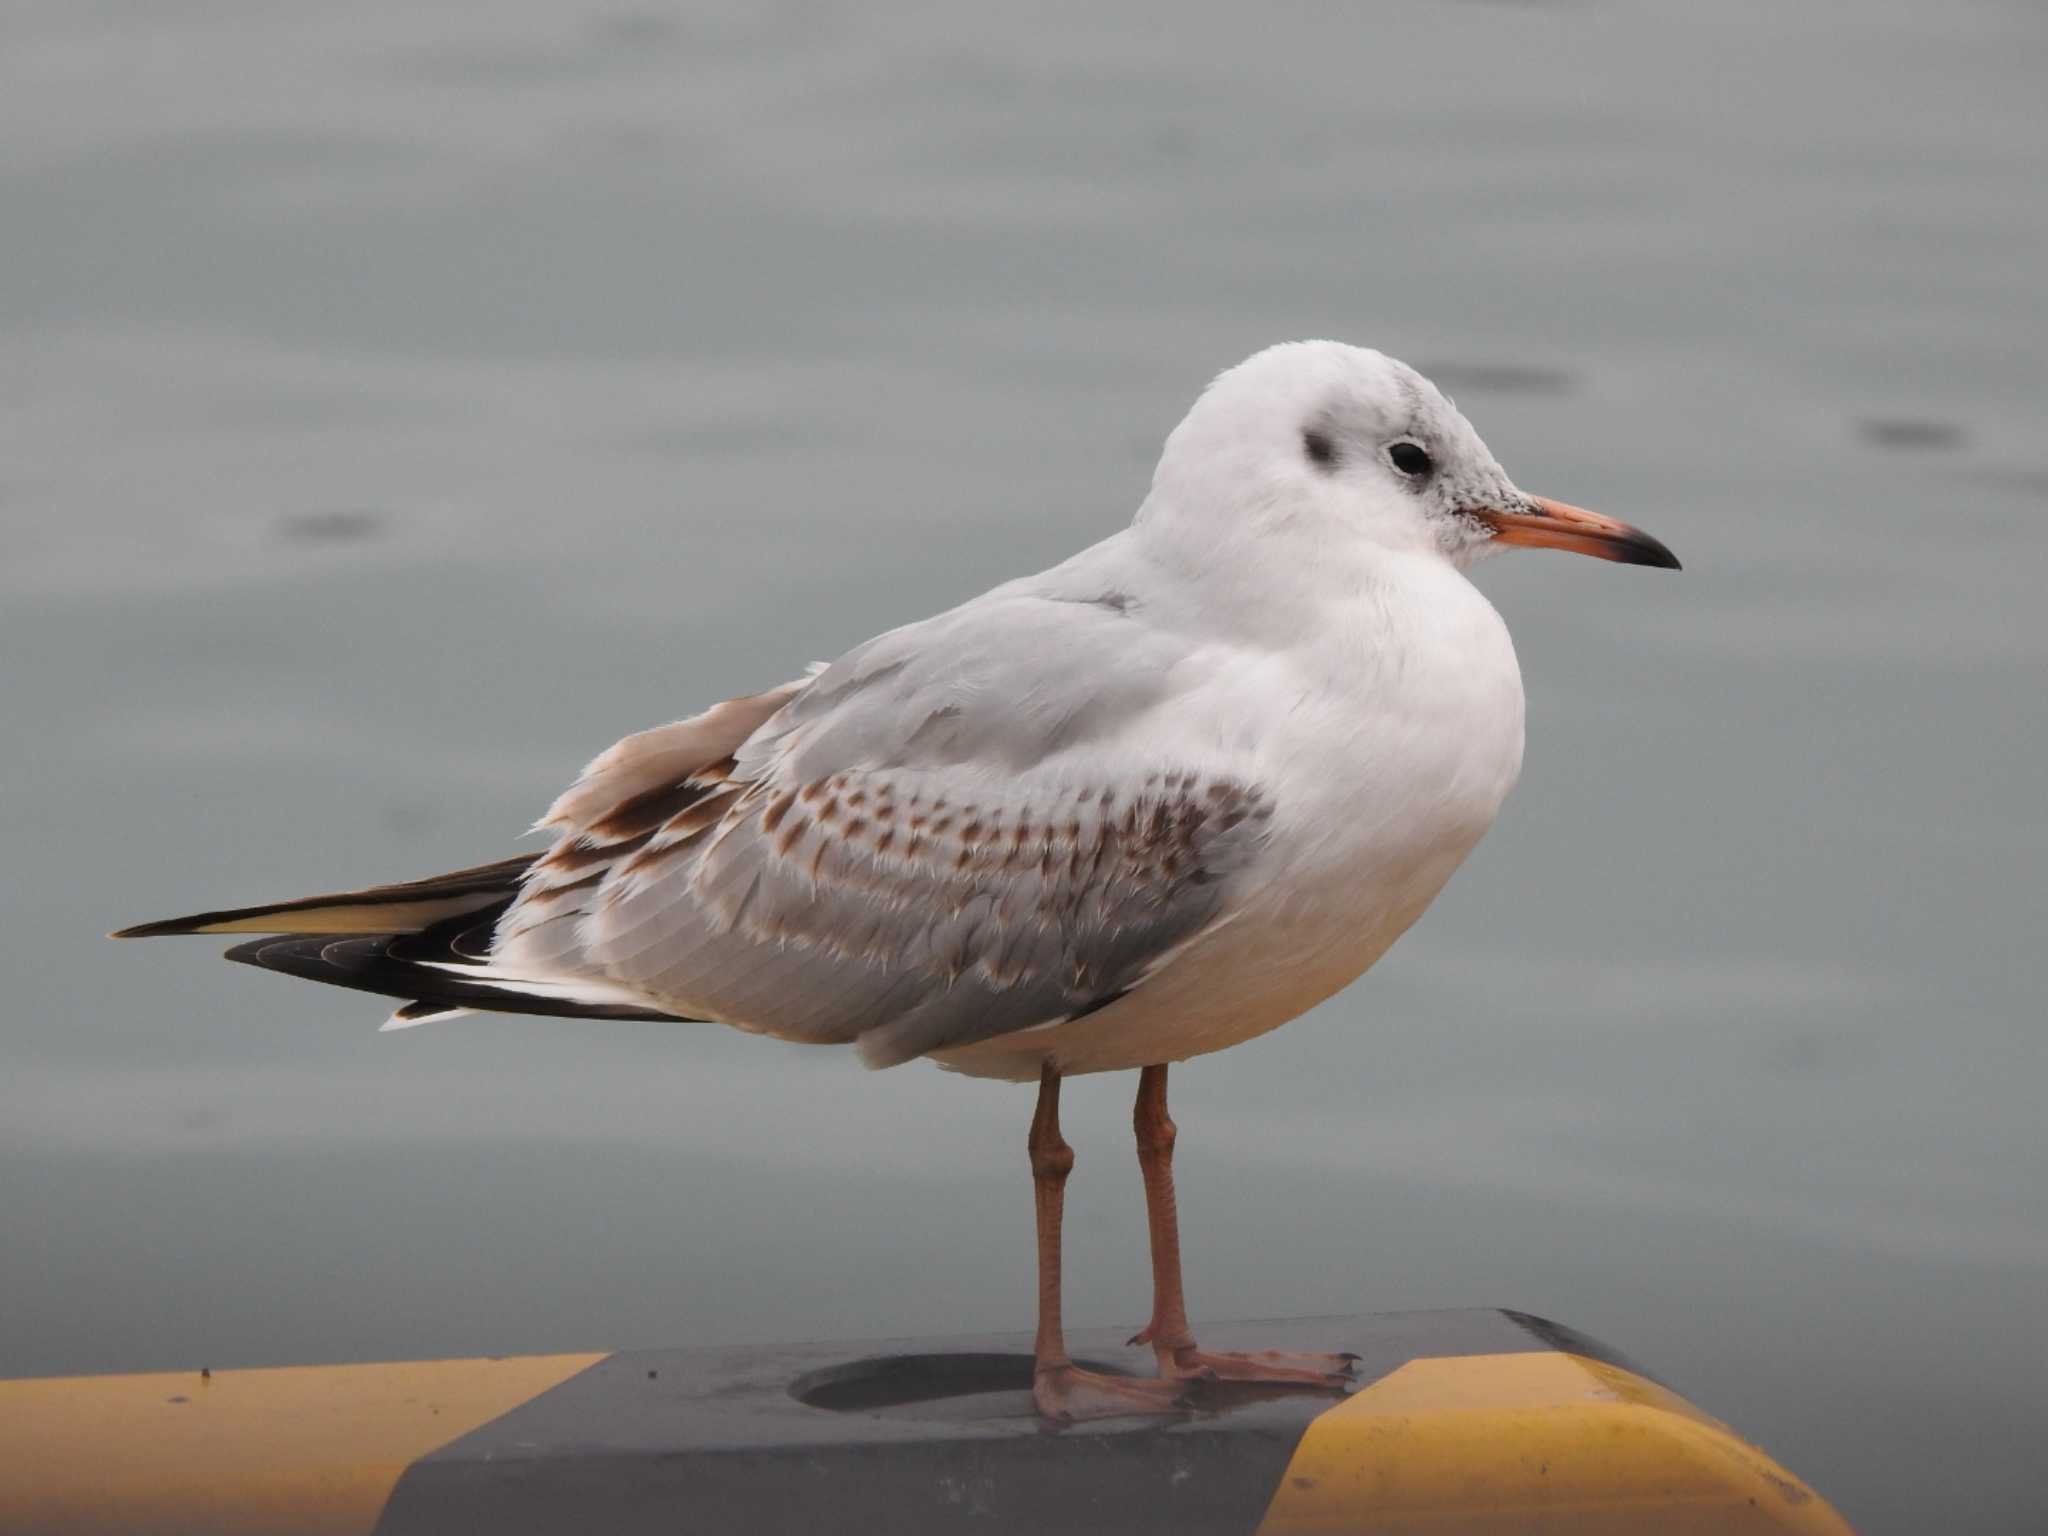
(1168, 1332)
(1063, 1390)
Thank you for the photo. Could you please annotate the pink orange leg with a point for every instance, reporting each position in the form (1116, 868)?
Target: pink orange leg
(1180, 1359)
(1062, 1389)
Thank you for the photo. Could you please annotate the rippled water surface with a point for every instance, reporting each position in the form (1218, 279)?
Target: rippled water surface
(399, 402)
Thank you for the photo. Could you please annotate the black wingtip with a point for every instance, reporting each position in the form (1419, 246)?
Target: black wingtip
(204, 923)
(417, 967)
(451, 895)
(156, 930)
(421, 1010)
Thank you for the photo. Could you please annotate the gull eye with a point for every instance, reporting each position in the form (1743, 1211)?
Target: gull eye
(1411, 459)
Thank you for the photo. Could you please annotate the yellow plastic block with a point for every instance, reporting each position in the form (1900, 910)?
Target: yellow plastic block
(305, 1448)
(1532, 1443)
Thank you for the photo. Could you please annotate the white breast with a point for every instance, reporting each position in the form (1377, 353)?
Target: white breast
(1389, 742)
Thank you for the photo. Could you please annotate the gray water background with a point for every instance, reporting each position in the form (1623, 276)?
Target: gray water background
(400, 402)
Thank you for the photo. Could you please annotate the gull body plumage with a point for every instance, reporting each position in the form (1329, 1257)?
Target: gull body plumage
(1149, 803)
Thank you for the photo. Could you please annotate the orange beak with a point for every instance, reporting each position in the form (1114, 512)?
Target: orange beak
(1556, 525)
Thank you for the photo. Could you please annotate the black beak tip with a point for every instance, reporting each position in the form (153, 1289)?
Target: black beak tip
(1644, 550)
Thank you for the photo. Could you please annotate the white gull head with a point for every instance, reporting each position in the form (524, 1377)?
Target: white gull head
(1344, 447)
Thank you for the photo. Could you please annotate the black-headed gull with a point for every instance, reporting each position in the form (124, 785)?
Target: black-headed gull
(1149, 803)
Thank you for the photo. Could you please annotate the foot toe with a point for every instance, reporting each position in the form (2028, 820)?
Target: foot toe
(1269, 1367)
(1067, 1394)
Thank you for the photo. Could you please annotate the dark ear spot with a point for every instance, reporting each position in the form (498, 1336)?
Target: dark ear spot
(1317, 445)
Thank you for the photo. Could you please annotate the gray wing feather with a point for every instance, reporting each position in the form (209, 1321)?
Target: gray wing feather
(908, 855)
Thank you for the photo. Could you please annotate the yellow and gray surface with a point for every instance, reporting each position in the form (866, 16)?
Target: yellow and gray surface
(1467, 1421)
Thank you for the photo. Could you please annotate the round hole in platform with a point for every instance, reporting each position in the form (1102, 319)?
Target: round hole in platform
(904, 1382)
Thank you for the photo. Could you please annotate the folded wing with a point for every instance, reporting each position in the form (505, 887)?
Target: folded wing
(911, 851)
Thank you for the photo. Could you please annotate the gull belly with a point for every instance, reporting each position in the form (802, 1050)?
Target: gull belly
(1425, 697)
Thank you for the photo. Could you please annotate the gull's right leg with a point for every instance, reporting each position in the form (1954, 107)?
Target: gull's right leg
(1062, 1390)
(1180, 1358)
